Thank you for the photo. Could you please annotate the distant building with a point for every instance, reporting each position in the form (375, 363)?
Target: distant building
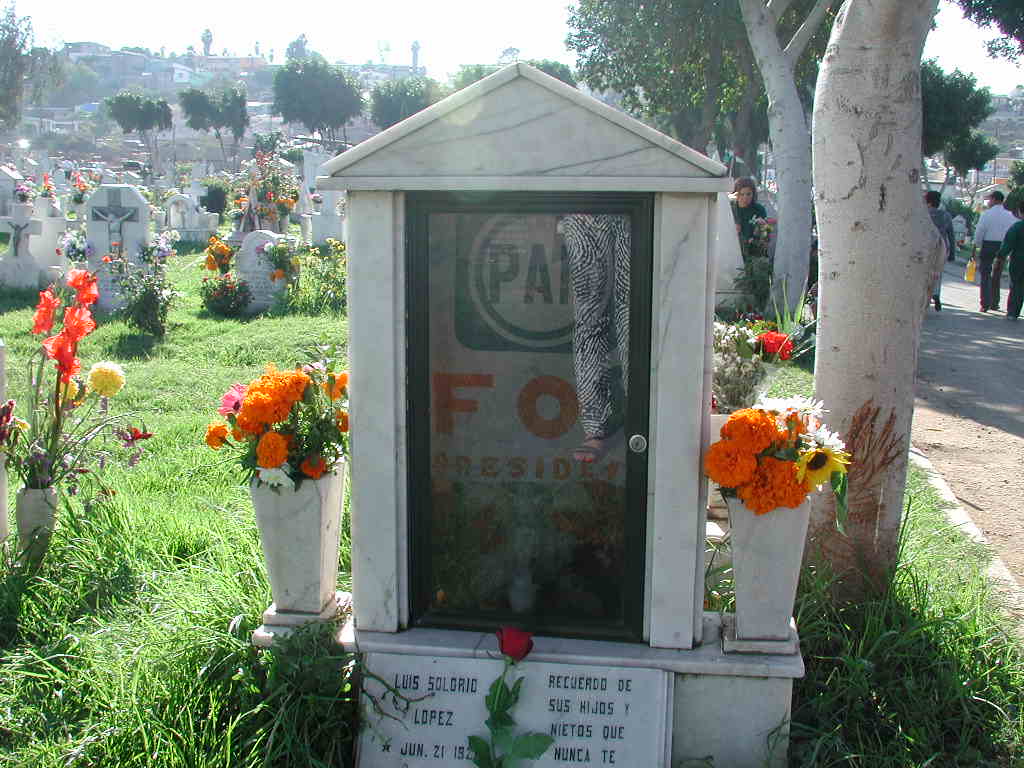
(370, 74)
(75, 51)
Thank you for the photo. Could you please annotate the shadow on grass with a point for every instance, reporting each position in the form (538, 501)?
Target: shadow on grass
(892, 681)
(12, 299)
(130, 346)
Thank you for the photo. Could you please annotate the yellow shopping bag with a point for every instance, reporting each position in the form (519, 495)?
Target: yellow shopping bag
(970, 271)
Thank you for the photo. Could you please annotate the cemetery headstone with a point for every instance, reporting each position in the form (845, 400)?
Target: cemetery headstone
(329, 222)
(526, 454)
(18, 269)
(9, 179)
(254, 267)
(117, 219)
(44, 246)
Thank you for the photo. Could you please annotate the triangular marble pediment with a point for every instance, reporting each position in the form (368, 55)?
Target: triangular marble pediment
(519, 122)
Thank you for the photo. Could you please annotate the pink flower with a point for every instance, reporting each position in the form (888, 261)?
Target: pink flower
(232, 400)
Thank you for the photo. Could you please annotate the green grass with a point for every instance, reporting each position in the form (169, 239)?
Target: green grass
(130, 646)
(926, 675)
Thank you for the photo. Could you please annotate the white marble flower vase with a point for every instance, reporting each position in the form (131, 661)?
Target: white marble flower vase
(767, 551)
(299, 531)
(35, 510)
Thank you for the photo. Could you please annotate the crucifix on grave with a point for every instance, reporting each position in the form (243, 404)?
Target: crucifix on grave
(22, 226)
(17, 267)
(114, 214)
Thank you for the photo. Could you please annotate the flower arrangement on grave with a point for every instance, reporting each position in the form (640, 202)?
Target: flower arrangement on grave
(287, 425)
(266, 191)
(317, 198)
(24, 192)
(322, 286)
(73, 245)
(67, 413)
(225, 295)
(775, 454)
(218, 255)
(146, 292)
(81, 187)
(504, 748)
(46, 189)
(283, 258)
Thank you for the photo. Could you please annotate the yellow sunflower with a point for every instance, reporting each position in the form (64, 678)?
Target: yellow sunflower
(817, 465)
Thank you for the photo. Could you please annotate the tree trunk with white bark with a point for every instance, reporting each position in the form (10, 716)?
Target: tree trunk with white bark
(879, 254)
(791, 145)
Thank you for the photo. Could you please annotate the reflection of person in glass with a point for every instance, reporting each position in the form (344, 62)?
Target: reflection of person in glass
(598, 247)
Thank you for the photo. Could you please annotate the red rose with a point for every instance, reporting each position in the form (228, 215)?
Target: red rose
(776, 344)
(514, 643)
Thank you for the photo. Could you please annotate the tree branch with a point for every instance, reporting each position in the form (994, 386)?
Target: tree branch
(778, 7)
(806, 31)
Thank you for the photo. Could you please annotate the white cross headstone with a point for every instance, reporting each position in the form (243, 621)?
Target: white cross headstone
(189, 218)
(17, 267)
(256, 269)
(44, 247)
(117, 219)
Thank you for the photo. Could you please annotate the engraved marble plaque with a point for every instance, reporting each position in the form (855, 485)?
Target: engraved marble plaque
(608, 716)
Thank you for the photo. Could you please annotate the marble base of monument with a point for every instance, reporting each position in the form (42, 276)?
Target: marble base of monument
(733, 644)
(279, 624)
(733, 709)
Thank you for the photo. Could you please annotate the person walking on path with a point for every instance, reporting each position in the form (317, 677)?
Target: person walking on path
(1013, 248)
(988, 236)
(944, 223)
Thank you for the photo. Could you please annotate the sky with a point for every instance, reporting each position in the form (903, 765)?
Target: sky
(450, 32)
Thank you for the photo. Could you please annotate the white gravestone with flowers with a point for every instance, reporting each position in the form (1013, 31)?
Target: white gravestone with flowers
(117, 221)
(330, 221)
(480, 225)
(191, 221)
(44, 247)
(18, 269)
(256, 269)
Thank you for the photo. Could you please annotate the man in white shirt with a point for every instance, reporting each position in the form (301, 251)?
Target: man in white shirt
(988, 236)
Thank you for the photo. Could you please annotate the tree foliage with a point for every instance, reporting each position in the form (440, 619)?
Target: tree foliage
(220, 110)
(952, 105)
(298, 49)
(394, 100)
(22, 65)
(136, 113)
(971, 151)
(207, 40)
(556, 69)
(470, 73)
(318, 95)
(1007, 16)
(686, 65)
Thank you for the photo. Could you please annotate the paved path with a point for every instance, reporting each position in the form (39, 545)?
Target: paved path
(969, 416)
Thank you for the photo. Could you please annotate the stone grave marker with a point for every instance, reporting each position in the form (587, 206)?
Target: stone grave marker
(189, 218)
(253, 267)
(44, 247)
(9, 179)
(530, 317)
(597, 715)
(329, 222)
(117, 219)
(18, 269)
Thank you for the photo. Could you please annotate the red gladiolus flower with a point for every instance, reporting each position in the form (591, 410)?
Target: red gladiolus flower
(62, 348)
(43, 320)
(84, 282)
(78, 323)
(775, 343)
(514, 643)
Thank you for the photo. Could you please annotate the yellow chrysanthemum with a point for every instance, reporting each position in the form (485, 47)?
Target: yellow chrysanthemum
(817, 465)
(106, 378)
(70, 391)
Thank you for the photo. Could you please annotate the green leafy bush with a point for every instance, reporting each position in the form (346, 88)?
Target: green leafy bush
(225, 295)
(321, 286)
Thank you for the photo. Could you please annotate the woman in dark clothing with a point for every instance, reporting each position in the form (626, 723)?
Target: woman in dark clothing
(745, 210)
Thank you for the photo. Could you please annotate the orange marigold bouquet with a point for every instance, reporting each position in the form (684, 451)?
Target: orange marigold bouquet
(287, 425)
(218, 255)
(774, 454)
